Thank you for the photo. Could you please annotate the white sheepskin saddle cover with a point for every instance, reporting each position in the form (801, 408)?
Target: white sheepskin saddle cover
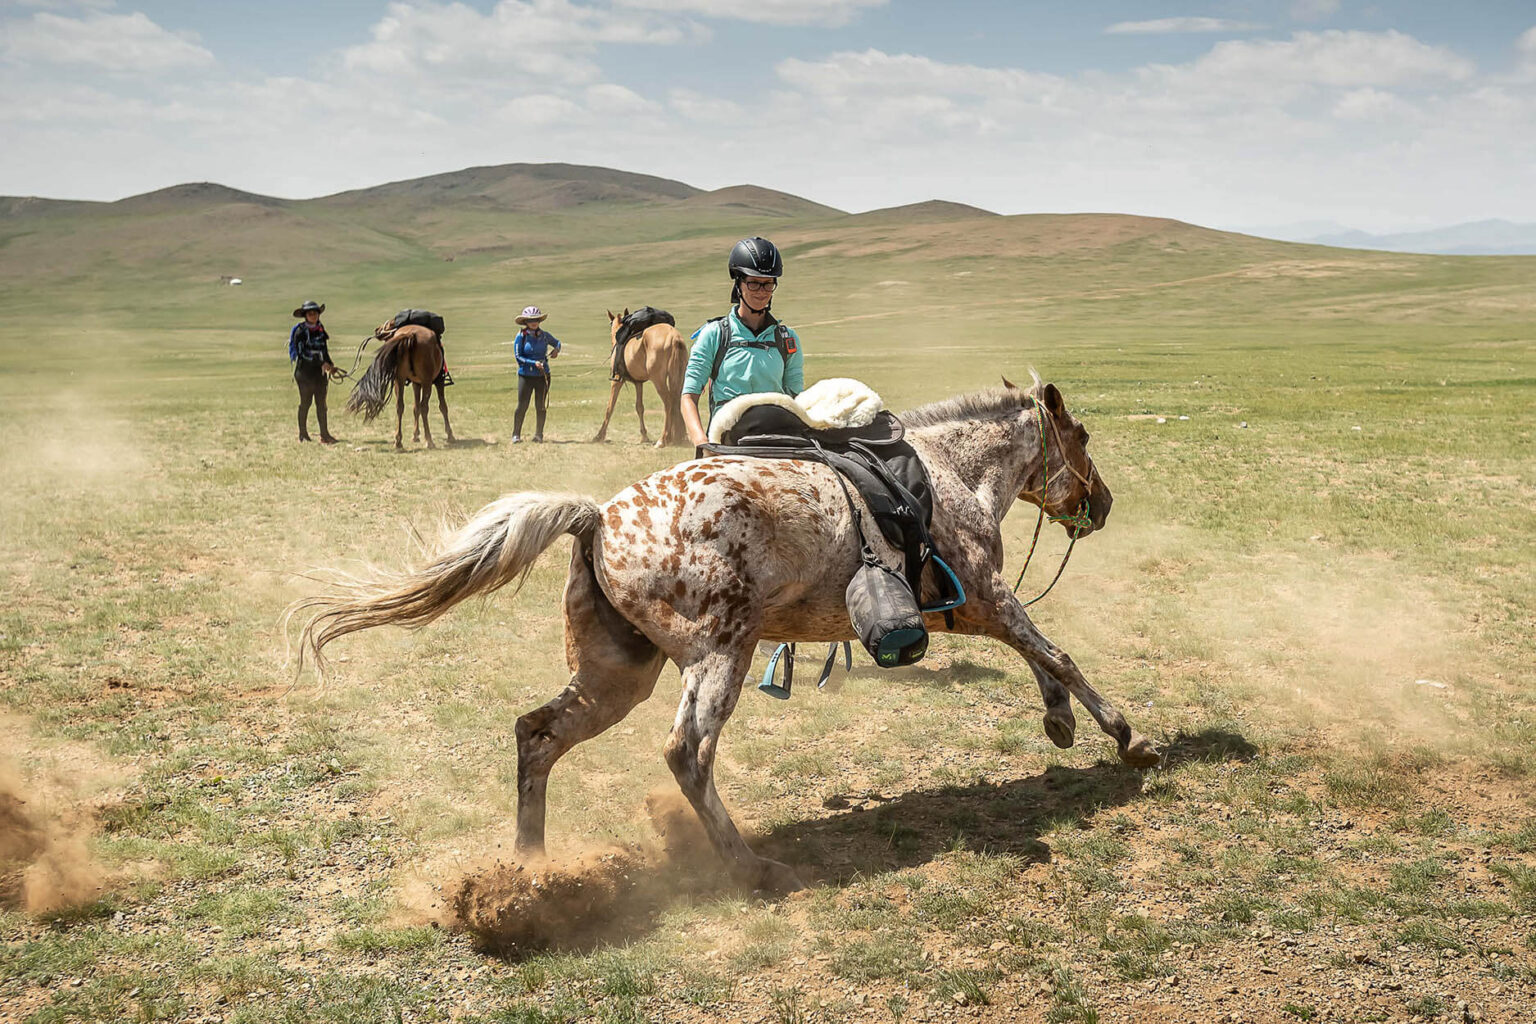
(830, 404)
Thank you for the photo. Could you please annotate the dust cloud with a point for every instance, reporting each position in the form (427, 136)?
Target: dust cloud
(513, 908)
(1352, 644)
(45, 866)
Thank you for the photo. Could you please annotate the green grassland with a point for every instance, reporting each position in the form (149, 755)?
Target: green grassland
(1316, 591)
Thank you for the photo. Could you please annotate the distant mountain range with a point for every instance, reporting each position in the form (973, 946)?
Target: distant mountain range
(1476, 238)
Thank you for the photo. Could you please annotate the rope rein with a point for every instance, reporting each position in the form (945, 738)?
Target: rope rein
(1079, 520)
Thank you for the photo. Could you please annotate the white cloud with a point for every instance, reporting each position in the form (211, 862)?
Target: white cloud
(117, 43)
(768, 12)
(1526, 44)
(1166, 26)
(1330, 58)
(1368, 128)
(1368, 104)
(516, 37)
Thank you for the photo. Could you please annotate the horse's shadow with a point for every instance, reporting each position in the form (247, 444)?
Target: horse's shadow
(904, 831)
(417, 447)
(1001, 818)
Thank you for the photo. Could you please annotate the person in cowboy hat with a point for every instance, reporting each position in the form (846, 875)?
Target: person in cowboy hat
(747, 351)
(534, 348)
(312, 367)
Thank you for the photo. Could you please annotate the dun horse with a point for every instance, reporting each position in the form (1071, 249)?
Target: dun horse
(658, 355)
(697, 562)
(410, 354)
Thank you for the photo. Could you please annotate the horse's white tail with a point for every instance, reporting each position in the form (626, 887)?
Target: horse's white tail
(498, 546)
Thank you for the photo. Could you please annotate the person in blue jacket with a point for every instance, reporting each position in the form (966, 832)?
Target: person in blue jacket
(534, 347)
(747, 351)
(312, 367)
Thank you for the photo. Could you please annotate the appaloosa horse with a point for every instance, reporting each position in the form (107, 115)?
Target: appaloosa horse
(659, 355)
(410, 354)
(697, 562)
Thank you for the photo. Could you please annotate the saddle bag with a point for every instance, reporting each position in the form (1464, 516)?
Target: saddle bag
(420, 318)
(885, 614)
(636, 323)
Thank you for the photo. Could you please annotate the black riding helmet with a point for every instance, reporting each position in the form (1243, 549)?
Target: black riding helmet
(753, 257)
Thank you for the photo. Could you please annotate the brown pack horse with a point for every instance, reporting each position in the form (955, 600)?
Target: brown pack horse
(658, 355)
(410, 354)
(697, 562)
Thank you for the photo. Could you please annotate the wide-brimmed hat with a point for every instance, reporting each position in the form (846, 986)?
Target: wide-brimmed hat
(531, 315)
(310, 307)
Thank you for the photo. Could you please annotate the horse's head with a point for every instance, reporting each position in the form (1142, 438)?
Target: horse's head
(1068, 483)
(614, 321)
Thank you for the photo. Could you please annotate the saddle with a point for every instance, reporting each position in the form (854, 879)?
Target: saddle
(841, 424)
(632, 326)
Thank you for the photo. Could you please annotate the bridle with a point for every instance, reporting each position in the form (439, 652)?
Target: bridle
(1079, 520)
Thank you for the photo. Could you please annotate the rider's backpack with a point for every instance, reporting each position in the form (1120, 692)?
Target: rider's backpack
(420, 318)
(782, 340)
(636, 323)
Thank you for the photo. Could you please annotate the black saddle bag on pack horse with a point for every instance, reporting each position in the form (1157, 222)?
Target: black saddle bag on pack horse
(420, 318)
(636, 323)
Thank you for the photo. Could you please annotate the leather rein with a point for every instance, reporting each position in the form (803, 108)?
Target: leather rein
(1078, 520)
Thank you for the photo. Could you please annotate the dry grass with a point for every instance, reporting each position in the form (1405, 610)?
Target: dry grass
(1330, 629)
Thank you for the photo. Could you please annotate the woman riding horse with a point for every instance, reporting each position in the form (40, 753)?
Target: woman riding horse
(696, 563)
(747, 351)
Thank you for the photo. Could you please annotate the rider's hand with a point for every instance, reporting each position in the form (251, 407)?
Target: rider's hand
(554, 353)
(328, 368)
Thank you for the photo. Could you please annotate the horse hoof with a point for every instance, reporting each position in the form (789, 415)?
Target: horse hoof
(1061, 728)
(1141, 754)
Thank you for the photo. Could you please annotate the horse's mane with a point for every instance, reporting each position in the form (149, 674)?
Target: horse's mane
(994, 403)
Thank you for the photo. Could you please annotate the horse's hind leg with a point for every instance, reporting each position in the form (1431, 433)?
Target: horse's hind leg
(442, 403)
(711, 687)
(640, 411)
(399, 414)
(423, 405)
(613, 668)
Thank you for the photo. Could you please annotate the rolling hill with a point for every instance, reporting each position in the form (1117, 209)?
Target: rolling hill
(469, 237)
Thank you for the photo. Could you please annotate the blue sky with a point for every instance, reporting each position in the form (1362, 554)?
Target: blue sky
(1383, 116)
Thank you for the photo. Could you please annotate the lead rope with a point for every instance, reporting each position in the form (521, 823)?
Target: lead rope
(1078, 520)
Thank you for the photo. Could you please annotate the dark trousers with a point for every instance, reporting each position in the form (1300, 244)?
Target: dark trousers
(536, 388)
(312, 384)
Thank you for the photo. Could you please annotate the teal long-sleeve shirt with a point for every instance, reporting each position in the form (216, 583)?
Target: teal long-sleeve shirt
(747, 370)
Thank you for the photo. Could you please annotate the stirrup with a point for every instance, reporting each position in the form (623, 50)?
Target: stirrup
(957, 591)
(768, 686)
(826, 667)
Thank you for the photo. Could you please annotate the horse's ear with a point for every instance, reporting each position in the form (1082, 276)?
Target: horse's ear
(625, 313)
(1053, 401)
(1010, 385)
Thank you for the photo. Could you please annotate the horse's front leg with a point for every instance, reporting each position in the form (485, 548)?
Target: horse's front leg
(640, 411)
(1054, 669)
(711, 686)
(613, 399)
(442, 403)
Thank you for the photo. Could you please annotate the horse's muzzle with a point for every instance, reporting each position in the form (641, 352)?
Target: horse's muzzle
(1099, 502)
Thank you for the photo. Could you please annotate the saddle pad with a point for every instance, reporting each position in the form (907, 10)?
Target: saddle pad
(837, 403)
